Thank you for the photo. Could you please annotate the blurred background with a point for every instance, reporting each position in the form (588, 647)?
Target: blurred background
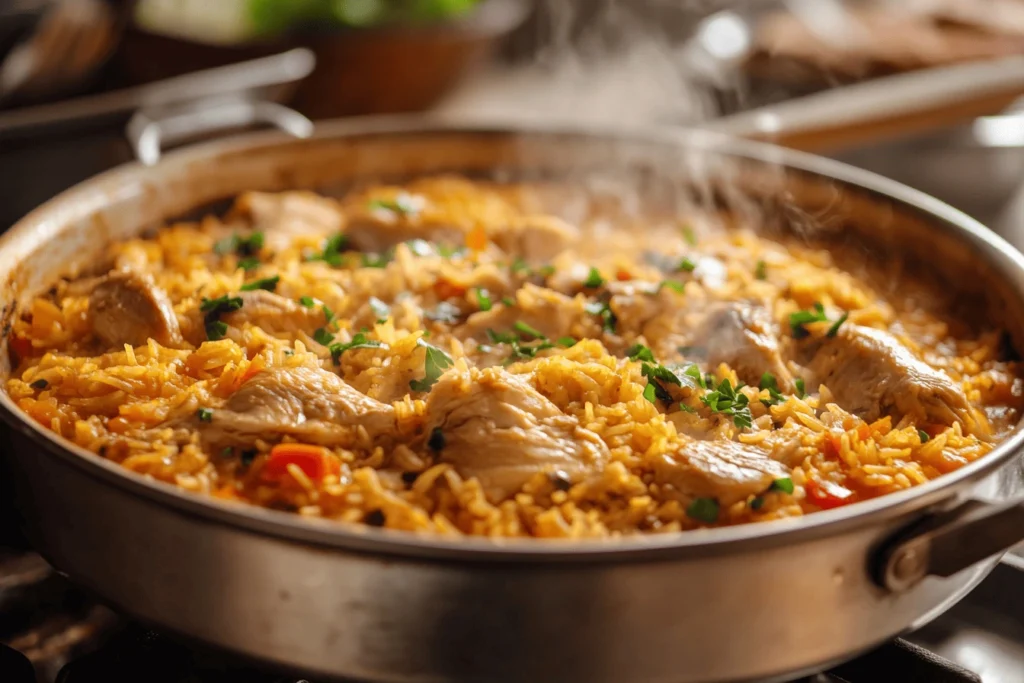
(924, 91)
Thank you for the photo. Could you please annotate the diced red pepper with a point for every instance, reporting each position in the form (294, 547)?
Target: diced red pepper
(833, 446)
(623, 276)
(828, 495)
(448, 290)
(316, 462)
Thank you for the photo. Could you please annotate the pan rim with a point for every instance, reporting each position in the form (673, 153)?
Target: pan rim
(289, 527)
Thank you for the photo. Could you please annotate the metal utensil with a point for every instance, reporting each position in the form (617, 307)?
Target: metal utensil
(758, 601)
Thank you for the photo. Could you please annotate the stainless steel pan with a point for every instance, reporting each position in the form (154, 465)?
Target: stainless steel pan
(759, 601)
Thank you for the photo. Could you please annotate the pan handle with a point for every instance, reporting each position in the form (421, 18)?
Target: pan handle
(946, 543)
(150, 130)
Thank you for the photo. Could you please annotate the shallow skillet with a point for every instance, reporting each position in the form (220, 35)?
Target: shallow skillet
(761, 601)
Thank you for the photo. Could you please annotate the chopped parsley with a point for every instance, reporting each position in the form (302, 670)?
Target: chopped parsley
(243, 246)
(444, 312)
(437, 361)
(214, 308)
(726, 400)
(436, 440)
(205, 415)
(376, 260)
(703, 510)
(757, 503)
(657, 376)
(403, 204)
(640, 352)
(567, 342)
(307, 301)
(923, 435)
(519, 266)
(693, 372)
(761, 272)
(359, 341)
(267, 283)
(686, 265)
(39, 384)
(545, 271)
(523, 328)
(483, 299)
(686, 409)
(379, 308)
(594, 279)
(602, 310)
(798, 319)
(508, 301)
(834, 330)
(651, 392)
(801, 391)
(323, 336)
(674, 285)
(332, 249)
(775, 396)
(249, 263)
(690, 236)
(785, 485)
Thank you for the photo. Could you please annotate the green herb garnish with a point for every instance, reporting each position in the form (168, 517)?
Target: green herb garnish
(798, 319)
(923, 435)
(222, 304)
(359, 341)
(403, 204)
(307, 301)
(519, 266)
(690, 236)
(508, 301)
(205, 415)
(216, 329)
(703, 510)
(249, 263)
(243, 246)
(267, 283)
(483, 299)
(523, 328)
(328, 315)
(726, 400)
(761, 272)
(800, 390)
(671, 284)
(603, 311)
(594, 279)
(686, 265)
(323, 336)
(437, 361)
(775, 396)
(650, 392)
(332, 249)
(834, 330)
(640, 352)
(785, 485)
(567, 342)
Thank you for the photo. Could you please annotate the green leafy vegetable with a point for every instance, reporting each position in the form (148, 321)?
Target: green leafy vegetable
(508, 301)
(800, 389)
(332, 249)
(703, 510)
(483, 299)
(761, 272)
(359, 341)
(640, 352)
(834, 330)
(328, 315)
(437, 361)
(267, 283)
(602, 310)
(686, 409)
(671, 284)
(307, 301)
(923, 435)
(205, 415)
(726, 400)
(523, 328)
(216, 329)
(323, 336)
(594, 279)
(785, 485)
(798, 319)
(650, 392)
(686, 265)
(214, 308)
(567, 342)
(249, 263)
(243, 246)
(775, 396)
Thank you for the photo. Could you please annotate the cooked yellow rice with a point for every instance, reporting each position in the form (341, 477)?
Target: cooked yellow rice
(124, 403)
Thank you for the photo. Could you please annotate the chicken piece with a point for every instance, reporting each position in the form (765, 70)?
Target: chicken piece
(553, 314)
(871, 374)
(283, 216)
(724, 470)
(127, 307)
(497, 428)
(536, 239)
(743, 336)
(274, 313)
(311, 405)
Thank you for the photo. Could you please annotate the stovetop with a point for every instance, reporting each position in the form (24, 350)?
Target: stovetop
(52, 632)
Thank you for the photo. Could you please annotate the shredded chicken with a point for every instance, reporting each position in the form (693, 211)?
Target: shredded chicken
(724, 470)
(127, 307)
(871, 374)
(307, 404)
(496, 427)
(274, 313)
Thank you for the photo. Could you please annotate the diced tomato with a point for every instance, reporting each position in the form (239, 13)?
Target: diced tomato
(448, 290)
(828, 495)
(315, 461)
(477, 238)
(21, 347)
(833, 446)
(623, 276)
